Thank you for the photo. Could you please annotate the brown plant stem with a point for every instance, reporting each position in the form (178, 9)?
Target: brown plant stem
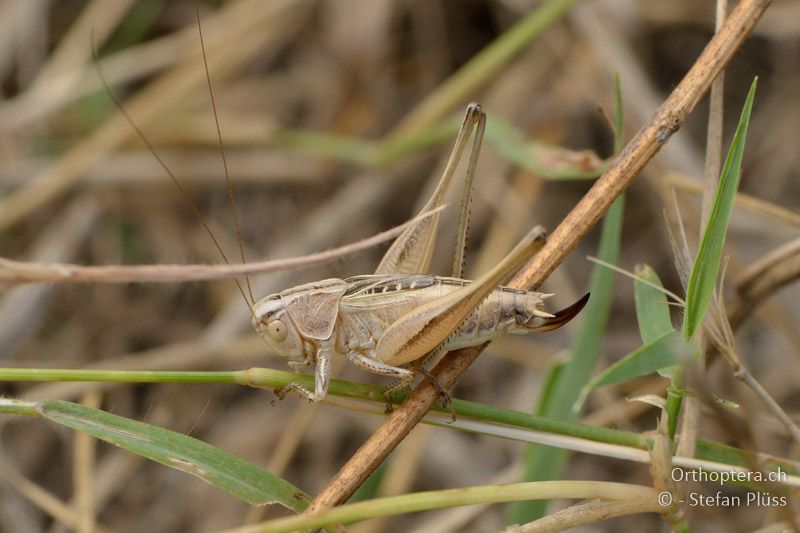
(588, 512)
(763, 279)
(695, 370)
(577, 223)
(14, 272)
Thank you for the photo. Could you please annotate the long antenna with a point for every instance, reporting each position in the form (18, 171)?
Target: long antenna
(175, 181)
(228, 182)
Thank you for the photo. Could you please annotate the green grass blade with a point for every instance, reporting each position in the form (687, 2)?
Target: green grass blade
(221, 469)
(705, 269)
(652, 314)
(544, 462)
(484, 67)
(550, 162)
(424, 501)
(548, 386)
(619, 135)
(667, 350)
(652, 309)
(326, 145)
(535, 455)
(547, 161)
(492, 415)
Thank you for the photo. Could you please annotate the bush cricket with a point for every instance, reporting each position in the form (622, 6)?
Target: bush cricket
(389, 322)
(392, 321)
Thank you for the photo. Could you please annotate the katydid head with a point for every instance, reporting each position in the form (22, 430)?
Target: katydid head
(272, 321)
(304, 314)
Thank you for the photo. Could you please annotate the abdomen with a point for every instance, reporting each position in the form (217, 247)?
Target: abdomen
(374, 302)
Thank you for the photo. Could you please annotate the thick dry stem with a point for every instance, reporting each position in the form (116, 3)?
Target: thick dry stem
(20, 272)
(577, 223)
(764, 278)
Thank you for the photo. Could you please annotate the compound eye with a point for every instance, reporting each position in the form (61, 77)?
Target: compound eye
(277, 331)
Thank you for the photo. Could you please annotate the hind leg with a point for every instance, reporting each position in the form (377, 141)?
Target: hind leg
(403, 376)
(447, 402)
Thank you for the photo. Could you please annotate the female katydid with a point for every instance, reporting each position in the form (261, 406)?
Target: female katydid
(388, 322)
(392, 321)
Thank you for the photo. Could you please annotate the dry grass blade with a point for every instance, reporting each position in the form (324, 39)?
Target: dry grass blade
(74, 50)
(578, 222)
(40, 497)
(20, 272)
(763, 278)
(713, 160)
(41, 101)
(85, 451)
(21, 311)
(67, 171)
(312, 124)
(743, 200)
(587, 512)
(711, 178)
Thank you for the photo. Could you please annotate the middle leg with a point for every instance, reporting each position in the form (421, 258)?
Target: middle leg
(403, 376)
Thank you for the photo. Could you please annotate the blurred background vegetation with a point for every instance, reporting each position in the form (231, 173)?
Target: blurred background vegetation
(335, 122)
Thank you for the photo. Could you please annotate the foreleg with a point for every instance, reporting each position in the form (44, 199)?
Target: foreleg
(321, 379)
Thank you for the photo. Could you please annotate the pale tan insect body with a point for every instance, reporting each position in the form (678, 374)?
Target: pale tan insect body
(369, 304)
(387, 322)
